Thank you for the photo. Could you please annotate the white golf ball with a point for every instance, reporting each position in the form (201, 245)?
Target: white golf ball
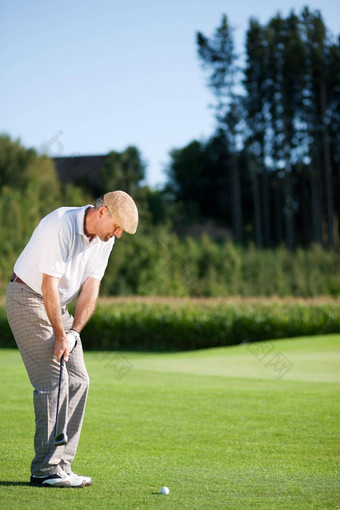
(165, 490)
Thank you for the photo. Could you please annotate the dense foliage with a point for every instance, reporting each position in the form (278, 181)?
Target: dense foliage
(271, 173)
(157, 261)
(194, 324)
(163, 264)
(247, 212)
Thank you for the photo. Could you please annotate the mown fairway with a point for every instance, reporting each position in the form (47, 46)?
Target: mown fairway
(253, 426)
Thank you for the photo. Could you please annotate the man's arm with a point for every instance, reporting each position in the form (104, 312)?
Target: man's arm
(51, 298)
(86, 303)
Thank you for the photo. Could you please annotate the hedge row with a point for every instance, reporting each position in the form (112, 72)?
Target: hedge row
(161, 325)
(161, 264)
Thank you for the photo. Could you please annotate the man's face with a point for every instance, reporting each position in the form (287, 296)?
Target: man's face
(107, 227)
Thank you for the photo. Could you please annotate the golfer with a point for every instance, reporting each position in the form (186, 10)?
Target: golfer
(67, 253)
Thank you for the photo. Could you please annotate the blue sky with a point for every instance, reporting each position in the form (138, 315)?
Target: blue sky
(86, 77)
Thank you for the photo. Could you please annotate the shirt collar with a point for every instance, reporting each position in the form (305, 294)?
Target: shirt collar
(80, 224)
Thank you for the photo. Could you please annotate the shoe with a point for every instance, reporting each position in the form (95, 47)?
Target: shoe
(86, 480)
(76, 480)
(55, 480)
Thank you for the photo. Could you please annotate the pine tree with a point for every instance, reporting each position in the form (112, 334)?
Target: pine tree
(217, 54)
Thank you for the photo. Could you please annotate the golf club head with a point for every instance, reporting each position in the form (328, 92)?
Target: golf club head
(60, 440)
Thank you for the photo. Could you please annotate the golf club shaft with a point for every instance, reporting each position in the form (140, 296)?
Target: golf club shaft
(58, 399)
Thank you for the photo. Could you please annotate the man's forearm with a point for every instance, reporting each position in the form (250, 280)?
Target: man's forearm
(86, 303)
(53, 309)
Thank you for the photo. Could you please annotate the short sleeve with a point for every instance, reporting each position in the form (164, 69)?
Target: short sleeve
(54, 251)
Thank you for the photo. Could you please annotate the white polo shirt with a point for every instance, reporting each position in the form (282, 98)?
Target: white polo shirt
(60, 248)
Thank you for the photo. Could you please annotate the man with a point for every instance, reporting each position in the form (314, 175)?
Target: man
(68, 251)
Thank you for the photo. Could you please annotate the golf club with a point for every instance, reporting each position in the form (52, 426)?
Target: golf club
(59, 439)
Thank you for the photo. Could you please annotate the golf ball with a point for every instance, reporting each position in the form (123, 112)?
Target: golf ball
(165, 490)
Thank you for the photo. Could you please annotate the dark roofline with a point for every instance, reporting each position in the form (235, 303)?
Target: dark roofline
(79, 169)
(75, 156)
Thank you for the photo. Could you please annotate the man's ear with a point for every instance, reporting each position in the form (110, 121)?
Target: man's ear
(102, 211)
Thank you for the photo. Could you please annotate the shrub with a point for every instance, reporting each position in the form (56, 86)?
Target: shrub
(171, 325)
(186, 325)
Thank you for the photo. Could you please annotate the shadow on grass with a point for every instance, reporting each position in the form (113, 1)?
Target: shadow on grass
(15, 484)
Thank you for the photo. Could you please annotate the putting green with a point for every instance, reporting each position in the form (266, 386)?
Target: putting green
(300, 359)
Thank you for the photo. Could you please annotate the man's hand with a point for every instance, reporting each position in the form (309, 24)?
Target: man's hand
(62, 348)
(73, 337)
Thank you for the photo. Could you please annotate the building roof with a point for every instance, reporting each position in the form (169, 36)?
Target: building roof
(79, 169)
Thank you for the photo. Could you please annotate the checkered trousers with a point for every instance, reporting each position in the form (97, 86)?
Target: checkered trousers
(34, 336)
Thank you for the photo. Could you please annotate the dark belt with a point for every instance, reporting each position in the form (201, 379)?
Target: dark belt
(15, 278)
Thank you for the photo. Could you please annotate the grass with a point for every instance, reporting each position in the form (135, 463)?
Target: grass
(252, 426)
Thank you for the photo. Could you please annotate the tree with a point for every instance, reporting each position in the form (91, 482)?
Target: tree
(319, 87)
(290, 116)
(333, 78)
(218, 56)
(186, 178)
(122, 170)
(255, 106)
(14, 161)
(199, 180)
